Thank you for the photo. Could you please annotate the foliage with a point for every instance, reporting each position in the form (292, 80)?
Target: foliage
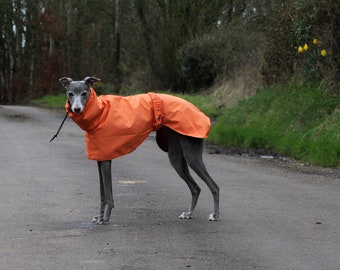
(168, 25)
(28, 51)
(184, 45)
(297, 120)
(300, 22)
(209, 56)
(125, 43)
(279, 53)
(199, 66)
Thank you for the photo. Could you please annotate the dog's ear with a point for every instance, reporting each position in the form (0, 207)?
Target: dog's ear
(65, 81)
(91, 80)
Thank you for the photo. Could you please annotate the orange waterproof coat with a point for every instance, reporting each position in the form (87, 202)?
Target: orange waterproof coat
(117, 125)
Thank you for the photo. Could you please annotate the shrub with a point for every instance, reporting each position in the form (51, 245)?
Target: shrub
(199, 66)
(220, 53)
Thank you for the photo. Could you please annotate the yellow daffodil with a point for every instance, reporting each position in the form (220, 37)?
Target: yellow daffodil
(315, 41)
(300, 49)
(305, 47)
(323, 52)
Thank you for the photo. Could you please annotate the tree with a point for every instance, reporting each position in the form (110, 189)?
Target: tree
(167, 44)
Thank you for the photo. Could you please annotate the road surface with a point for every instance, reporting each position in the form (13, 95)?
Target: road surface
(272, 217)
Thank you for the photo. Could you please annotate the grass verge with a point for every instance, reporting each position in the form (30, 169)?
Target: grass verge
(296, 120)
(50, 101)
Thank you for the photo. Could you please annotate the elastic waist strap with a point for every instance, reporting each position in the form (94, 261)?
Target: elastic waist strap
(158, 111)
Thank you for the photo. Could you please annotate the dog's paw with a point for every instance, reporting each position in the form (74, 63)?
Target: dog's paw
(102, 222)
(99, 220)
(185, 215)
(213, 217)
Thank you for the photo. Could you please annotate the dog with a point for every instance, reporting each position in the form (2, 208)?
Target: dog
(110, 132)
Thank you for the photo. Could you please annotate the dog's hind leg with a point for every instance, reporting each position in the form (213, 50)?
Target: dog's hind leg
(106, 199)
(178, 162)
(192, 151)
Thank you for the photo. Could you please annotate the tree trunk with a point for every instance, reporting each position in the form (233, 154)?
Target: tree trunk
(117, 72)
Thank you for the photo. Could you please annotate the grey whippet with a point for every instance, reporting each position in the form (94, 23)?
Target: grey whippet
(183, 151)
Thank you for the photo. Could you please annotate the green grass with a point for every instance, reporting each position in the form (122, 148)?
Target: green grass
(298, 121)
(50, 101)
(204, 102)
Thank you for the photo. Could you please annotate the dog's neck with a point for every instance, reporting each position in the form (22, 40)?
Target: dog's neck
(87, 119)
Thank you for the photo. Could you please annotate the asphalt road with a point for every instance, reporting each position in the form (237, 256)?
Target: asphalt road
(272, 217)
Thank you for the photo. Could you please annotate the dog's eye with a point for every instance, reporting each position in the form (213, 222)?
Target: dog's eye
(70, 94)
(84, 94)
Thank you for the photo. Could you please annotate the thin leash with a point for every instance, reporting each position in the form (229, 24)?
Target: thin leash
(62, 123)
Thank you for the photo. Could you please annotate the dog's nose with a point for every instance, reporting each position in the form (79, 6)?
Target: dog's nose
(76, 110)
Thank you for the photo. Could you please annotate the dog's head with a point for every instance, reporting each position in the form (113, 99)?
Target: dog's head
(78, 92)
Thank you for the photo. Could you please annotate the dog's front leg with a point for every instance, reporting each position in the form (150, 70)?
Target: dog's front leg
(99, 218)
(106, 199)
